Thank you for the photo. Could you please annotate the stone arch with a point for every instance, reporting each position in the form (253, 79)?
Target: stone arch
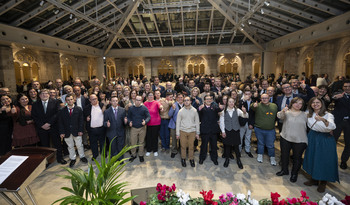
(67, 65)
(111, 70)
(342, 58)
(230, 64)
(256, 66)
(165, 66)
(306, 61)
(25, 62)
(196, 65)
(135, 66)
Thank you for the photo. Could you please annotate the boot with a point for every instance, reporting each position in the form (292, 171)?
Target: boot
(227, 161)
(322, 186)
(311, 182)
(239, 163)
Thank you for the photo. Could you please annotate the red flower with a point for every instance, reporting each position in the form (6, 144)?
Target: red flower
(173, 187)
(346, 201)
(143, 203)
(274, 198)
(159, 187)
(160, 197)
(311, 203)
(283, 202)
(303, 195)
(207, 196)
(292, 201)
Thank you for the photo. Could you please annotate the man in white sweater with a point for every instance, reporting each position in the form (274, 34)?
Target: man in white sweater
(187, 128)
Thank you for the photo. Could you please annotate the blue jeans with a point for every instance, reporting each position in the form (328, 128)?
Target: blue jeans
(165, 133)
(266, 138)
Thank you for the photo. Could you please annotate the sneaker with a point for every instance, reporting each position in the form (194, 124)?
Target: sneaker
(148, 154)
(273, 161)
(260, 158)
(155, 154)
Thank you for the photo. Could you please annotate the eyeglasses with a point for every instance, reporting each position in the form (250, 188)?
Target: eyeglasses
(187, 100)
(286, 87)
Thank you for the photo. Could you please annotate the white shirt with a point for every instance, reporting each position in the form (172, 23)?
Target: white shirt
(96, 116)
(319, 126)
(79, 102)
(230, 112)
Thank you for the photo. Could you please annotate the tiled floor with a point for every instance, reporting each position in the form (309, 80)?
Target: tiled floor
(260, 178)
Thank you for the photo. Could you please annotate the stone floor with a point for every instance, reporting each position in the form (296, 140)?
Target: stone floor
(260, 178)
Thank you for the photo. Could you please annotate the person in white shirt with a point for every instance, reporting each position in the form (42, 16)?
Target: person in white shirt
(320, 160)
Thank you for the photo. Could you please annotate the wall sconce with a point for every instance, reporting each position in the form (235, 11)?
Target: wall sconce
(25, 64)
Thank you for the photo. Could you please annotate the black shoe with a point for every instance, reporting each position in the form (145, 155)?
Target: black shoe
(281, 173)
(231, 156)
(132, 158)
(215, 162)
(343, 165)
(183, 162)
(293, 178)
(249, 154)
(192, 163)
(239, 163)
(223, 156)
(72, 163)
(172, 155)
(62, 161)
(201, 161)
(195, 150)
(84, 160)
(227, 161)
(141, 159)
(87, 147)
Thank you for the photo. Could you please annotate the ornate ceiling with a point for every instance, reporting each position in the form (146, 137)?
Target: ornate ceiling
(120, 24)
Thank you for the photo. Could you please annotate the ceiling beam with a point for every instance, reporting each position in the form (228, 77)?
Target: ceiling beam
(156, 24)
(223, 25)
(228, 13)
(122, 23)
(38, 10)
(9, 5)
(195, 38)
(182, 23)
(210, 23)
(169, 25)
(320, 6)
(144, 28)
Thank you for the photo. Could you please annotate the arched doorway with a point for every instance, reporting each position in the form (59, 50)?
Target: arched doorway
(165, 67)
(67, 63)
(26, 66)
(135, 68)
(196, 65)
(309, 66)
(347, 65)
(229, 65)
(111, 69)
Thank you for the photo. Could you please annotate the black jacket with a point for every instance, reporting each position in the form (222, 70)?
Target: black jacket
(40, 117)
(70, 124)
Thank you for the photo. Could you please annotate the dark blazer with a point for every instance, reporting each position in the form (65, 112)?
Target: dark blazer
(306, 97)
(341, 109)
(251, 119)
(163, 94)
(161, 88)
(209, 118)
(87, 112)
(214, 89)
(84, 102)
(117, 125)
(71, 124)
(40, 117)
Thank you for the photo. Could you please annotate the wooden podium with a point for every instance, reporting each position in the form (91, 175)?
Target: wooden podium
(31, 168)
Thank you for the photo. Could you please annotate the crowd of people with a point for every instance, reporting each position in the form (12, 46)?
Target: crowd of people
(310, 116)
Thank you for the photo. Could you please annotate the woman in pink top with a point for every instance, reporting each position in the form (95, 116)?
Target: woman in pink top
(153, 125)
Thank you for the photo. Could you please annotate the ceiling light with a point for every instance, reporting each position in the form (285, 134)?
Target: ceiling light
(104, 58)
(242, 25)
(41, 3)
(56, 11)
(241, 29)
(24, 47)
(267, 3)
(262, 11)
(75, 20)
(107, 34)
(249, 22)
(71, 16)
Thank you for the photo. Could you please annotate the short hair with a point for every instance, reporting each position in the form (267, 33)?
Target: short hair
(208, 95)
(69, 95)
(67, 86)
(44, 90)
(150, 92)
(115, 97)
(294, 100)
(178, 94)
(168, 93)
(323, 86)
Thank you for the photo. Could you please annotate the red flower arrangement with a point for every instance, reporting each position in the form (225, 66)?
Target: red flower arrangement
(346, 201)
(164, 191)
(208, 196)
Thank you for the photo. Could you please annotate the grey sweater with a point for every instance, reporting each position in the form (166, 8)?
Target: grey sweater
(187, 121)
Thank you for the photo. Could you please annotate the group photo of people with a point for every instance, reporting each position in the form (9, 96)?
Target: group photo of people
(183, 116)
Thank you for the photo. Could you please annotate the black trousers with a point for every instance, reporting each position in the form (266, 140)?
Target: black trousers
(228, 151)
(298, 150)
(152, 134)
(212, 140)
(344, 126)
(52, 134)
(97, 136)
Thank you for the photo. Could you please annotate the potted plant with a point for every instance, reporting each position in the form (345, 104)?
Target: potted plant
(98, 188)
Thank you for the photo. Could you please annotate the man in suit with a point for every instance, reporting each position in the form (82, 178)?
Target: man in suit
(169, 88)
(71, 127)
(156, 86)
(44, 113)
(114, 121)
(173, 111)
(59, 87)
(93, 115)
(342, 120)
(217, 88)
(209, 129)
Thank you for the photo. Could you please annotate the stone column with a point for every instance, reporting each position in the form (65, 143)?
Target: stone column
(7, 68)
(50, 66)
(82, 70)
(270, 61)
(100, 68)
(148, 68)
(180, 66)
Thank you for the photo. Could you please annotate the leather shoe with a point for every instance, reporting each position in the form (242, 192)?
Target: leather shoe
(132, 158)
(249, 154)
(72, 163)
(227, 161)
(172, 155)
(141, 159)
(281, 173)
(239, 163)
(84, 160)
(215, 161)
(343, 165)
(183, 162)
(311, 182)
(322, 187)
(192, 163)
(231, 156)
(201, 161)
(62, 161)
(293, 178)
